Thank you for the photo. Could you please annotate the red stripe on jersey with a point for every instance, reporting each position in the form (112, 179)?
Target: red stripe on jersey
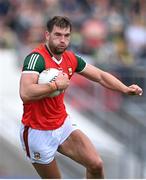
(25, 138)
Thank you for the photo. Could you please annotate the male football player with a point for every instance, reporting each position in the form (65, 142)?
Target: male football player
(46, 126)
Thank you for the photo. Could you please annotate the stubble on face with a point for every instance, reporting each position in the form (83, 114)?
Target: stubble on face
(56, 49)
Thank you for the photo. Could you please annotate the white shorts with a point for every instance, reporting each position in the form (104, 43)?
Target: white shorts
(41, 145)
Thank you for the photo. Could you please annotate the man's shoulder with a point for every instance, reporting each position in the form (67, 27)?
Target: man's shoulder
(69, 53)
(37, 50)
(41, 46)
(34, 61)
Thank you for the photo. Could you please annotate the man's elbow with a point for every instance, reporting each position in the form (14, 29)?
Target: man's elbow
(25, 97)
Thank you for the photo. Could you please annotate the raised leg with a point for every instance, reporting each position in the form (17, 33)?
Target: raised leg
(79, 148)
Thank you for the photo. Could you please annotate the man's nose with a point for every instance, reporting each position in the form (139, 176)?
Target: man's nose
(62, 39)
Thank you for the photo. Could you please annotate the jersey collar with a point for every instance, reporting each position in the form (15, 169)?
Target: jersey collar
(53, 58)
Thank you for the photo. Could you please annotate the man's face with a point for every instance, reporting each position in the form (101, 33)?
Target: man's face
(58, 40)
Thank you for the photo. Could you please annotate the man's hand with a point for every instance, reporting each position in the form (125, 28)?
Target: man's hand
(62, 81)
(134, 90)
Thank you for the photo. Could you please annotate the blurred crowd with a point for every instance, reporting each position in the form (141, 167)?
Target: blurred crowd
(108, 33)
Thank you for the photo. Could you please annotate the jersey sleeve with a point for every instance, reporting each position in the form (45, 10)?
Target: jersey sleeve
(81, 64)
(34, 63)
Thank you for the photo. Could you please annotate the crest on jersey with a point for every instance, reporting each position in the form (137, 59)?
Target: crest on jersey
(70, 71)
(37, 155)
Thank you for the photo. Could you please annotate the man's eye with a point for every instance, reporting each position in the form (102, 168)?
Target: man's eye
(67, 35)
(57, 34)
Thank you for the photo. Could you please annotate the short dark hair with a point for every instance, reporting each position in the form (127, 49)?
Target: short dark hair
(60, 21)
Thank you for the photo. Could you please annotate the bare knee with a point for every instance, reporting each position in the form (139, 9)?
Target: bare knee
(96, 167)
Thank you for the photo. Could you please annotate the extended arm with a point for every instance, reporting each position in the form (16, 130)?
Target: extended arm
(109, 81)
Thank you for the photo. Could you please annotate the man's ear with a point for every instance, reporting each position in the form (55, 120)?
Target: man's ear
(47, 35)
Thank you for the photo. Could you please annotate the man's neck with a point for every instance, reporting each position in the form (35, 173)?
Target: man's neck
(56, 56)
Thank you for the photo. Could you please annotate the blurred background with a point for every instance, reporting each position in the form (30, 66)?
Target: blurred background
(110, 34)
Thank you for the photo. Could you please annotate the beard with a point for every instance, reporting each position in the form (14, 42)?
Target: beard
(58, 50)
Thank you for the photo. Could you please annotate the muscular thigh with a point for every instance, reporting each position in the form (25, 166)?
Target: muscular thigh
(79, 148)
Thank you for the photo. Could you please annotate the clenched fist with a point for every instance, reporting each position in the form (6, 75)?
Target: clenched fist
(62, 81)
(134, 90)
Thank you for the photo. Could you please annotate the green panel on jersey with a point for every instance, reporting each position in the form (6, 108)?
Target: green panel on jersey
(81, 64)
(34, 62)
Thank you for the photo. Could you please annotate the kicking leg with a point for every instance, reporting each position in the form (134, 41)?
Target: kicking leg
(79, 148)
(48, 171)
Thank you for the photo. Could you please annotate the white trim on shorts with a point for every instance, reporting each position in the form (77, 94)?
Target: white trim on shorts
(41, 145)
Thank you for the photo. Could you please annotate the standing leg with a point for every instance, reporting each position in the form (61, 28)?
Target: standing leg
(48, 171)
(79, 148)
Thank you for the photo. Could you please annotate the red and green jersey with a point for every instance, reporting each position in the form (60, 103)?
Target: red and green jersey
(48, 113)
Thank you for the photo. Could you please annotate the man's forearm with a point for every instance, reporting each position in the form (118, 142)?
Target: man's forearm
(37, 91)
(111, 82)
